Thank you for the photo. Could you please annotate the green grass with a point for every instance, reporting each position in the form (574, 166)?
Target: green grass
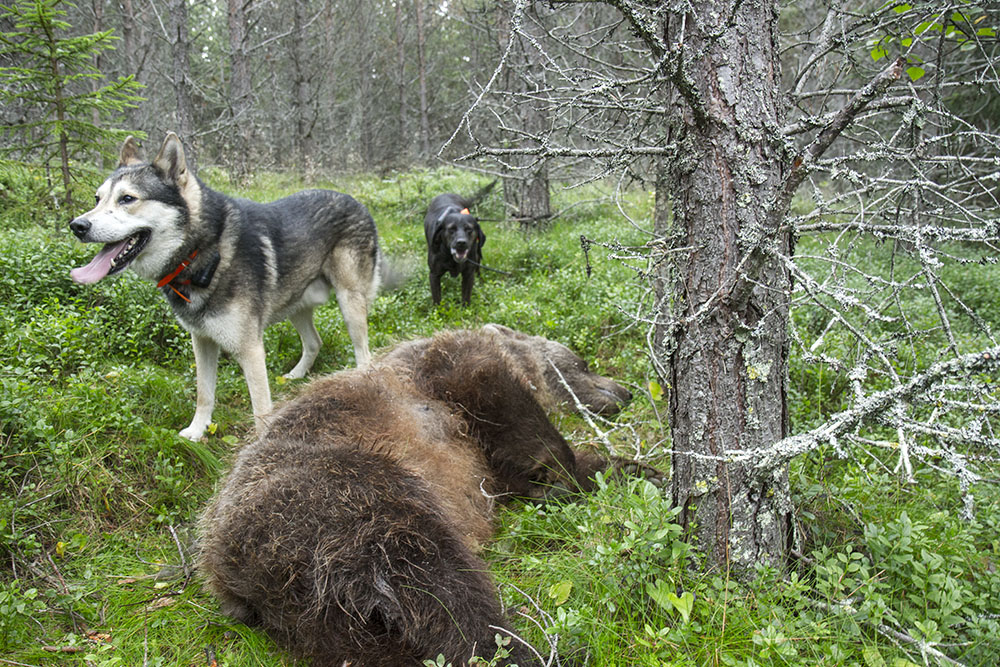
(99, 493)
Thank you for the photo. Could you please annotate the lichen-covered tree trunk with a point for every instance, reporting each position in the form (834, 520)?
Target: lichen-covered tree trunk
(526, 181)
(723, 330)
(526, 195)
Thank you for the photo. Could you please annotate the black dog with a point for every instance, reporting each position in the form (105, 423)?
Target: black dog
(454, 242)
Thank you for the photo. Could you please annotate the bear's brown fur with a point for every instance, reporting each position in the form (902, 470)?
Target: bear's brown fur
(350, 529)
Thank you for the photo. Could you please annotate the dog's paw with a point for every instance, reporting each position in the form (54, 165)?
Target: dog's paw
(295, 374)
(193, 432)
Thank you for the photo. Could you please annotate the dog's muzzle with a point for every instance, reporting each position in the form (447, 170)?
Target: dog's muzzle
(80, 227)
(460, 250)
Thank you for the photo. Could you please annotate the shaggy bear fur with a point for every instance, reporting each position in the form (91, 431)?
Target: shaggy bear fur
(350, 529)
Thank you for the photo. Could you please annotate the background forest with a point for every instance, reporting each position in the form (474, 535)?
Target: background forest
(778, 223)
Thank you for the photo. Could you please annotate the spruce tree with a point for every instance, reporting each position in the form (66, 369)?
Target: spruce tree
(48, 76)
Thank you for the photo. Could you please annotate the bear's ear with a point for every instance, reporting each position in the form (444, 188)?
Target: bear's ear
(495, 328)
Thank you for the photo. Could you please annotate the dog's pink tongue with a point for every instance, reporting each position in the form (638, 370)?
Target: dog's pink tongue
(99, 266)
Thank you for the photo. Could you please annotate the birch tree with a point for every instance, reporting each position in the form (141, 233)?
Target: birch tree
(812, 190)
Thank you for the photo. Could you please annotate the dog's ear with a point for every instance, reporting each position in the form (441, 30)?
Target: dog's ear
(170, 160)
(130, 153)
(437, 231)
(480, 236)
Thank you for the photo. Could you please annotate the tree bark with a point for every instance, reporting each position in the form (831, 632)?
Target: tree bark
(526, 185)
(401, 87)
(180, 48)
(128, 52)
(724, 349)
(95, 84)
(240, 88)
(60, 104)
(128, 35)
(300, 86)
(526, 194)
(364, 101)
(425, 126)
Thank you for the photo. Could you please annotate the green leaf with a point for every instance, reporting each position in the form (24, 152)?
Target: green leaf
(655, 390)
(872, 657)
(916, 73)
(659, 590)
(900, 9)
(683, 603)
(559, 593)
(879, 52)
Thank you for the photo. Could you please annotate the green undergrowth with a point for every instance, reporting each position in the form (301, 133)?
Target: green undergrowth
(99, 494)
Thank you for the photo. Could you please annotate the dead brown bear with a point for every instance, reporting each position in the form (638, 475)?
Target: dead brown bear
(350, 529)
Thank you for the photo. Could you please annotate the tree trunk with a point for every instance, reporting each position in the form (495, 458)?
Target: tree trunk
(67, 177)
(723, 333)
(95, 83)
(240, 89)
(425, 127)
(128, 36)
(363, 101)
(181, 77)
(300, 86)
(401, 87)
(128, 53)
(59, 95)
(526, 185)
(526, 194)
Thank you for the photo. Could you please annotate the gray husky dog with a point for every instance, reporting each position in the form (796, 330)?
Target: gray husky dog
(230, 267)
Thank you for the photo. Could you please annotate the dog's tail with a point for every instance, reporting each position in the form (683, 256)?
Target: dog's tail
(391, 274)
(481, 193)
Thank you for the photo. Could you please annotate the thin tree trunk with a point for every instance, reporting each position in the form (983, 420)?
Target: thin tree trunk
(240, 88)
(526, 194)
(181, 76)
(95, 84)
(128, 35)
(401, 88)
(724, 348)
(526, 187)
(129, 52)
(60, 104)
(300, 86)
(363, 101)
(425, 127)
(63, 143)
